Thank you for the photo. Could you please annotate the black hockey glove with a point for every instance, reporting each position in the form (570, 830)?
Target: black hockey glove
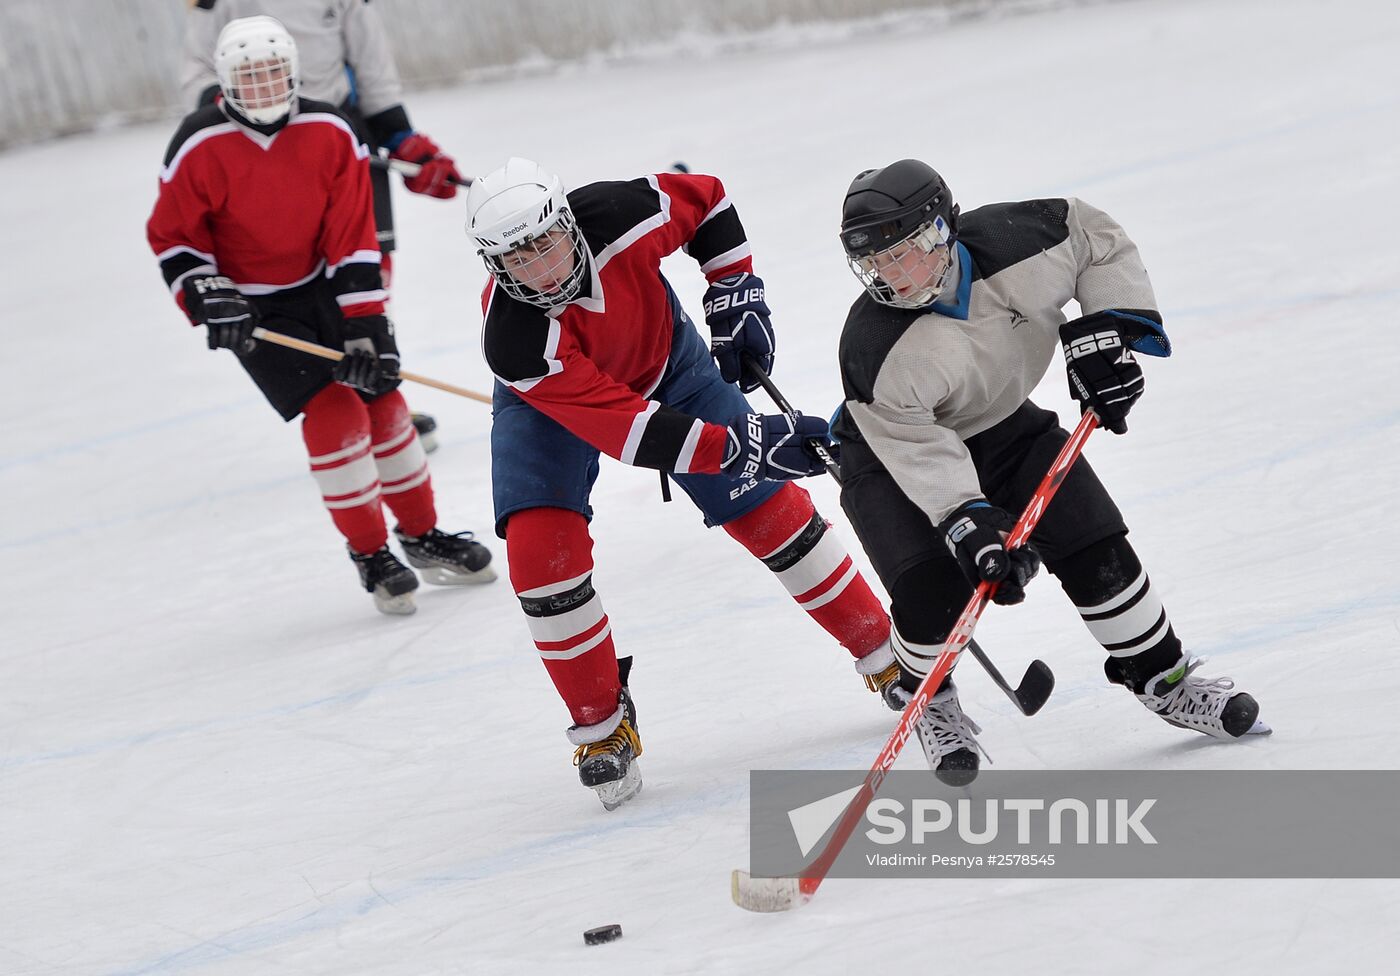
(771, 447)
(1104, 376)
(973, 534)
(371, 363)
(738, 317)
(214, 302)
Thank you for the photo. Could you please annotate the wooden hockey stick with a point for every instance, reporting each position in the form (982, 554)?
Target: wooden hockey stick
(782, 894)
(325, 352)
(408, 169)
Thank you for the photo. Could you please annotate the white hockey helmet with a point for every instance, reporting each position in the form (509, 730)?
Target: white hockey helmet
(256, 61)
(526, 233)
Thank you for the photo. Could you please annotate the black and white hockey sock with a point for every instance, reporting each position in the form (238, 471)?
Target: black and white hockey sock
(1116, 600)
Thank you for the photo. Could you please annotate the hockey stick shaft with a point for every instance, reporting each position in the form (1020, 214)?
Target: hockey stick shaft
(410, 170)
(962, 633)
(818, 448)
(325, 352)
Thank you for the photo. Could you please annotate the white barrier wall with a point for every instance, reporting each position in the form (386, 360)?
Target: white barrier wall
(69, 65)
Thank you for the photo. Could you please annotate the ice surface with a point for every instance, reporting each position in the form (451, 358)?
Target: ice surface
(216, 758)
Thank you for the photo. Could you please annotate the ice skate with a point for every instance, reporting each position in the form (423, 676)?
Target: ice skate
(447, 559)
(388, 580)
(607, 753)
(948, 736)
(1209, 705)
(881, 673)
(427, 432)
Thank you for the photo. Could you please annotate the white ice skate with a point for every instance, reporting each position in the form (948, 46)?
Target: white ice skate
(1209, 705)
(948, 736)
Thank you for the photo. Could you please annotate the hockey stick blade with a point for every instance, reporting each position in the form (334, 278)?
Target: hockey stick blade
(765, 894)
(1034, 689)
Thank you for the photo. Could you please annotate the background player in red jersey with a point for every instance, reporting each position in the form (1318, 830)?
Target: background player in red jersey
(593, 353)
(346, 60)
(264, 215)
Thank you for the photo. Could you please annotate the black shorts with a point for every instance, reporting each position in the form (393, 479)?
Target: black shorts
(288, 378)
(1011, 459)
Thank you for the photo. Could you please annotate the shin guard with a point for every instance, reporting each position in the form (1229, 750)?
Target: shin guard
(551, 568)
(795, 542)
(336, 428)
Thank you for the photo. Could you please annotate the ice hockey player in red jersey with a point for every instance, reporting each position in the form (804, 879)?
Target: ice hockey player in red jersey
(593, 354)
(264, 216)
(345, 59)
(960, 317)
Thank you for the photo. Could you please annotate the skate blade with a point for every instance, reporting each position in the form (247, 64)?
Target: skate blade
(451, 577)
(396, 606)
(765, 894)
(429, 442)
(619, 791)
(1259, 728)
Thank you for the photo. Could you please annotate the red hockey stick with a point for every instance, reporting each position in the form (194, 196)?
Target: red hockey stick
(781, 894)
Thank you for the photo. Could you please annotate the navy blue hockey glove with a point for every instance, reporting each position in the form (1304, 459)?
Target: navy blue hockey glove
(214, 302)
(1104, 375)
(371, 363)
(973, 534)
(738, 317)
(773, 447)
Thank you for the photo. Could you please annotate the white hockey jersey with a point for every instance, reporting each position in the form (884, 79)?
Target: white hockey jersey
(341, 44)
(919, 383)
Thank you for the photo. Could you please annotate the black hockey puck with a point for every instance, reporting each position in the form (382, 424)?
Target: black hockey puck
(603, 933)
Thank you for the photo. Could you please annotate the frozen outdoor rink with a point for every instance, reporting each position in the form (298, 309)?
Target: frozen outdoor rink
(216, 758)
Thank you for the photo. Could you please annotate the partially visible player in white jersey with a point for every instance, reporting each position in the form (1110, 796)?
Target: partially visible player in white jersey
(961, 315)
(264, 215)
(346, 61)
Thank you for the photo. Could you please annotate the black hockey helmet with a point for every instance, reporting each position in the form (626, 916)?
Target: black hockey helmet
(887, 205)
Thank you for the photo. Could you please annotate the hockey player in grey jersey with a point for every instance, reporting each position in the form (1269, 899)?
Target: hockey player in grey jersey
(939, 444)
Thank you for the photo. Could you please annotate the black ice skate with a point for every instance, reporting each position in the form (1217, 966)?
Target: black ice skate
(948, 736)
(390, 581)
(1209, 705)
(427, 432)
(607, 753)
(447, 559)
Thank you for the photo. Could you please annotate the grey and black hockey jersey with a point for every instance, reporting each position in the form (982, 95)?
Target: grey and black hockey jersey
(918, 383)
(341, 45)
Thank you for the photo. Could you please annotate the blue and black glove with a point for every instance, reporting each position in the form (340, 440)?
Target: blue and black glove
(773, 447)
(215, 302)
(738, 317)
(371, 363)
(1104, 375)
(974, 534)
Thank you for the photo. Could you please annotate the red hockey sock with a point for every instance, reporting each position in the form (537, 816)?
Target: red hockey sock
(809, 560)
(335, 426)
(551, 568)
(405, 485)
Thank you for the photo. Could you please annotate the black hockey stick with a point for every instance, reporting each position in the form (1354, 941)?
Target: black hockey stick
(818, 447)
(408, 169)
(1033, 692)
(1035, 687)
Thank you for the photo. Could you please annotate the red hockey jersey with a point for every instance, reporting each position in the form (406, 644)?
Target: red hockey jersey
(269, 211)
(592, 364)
